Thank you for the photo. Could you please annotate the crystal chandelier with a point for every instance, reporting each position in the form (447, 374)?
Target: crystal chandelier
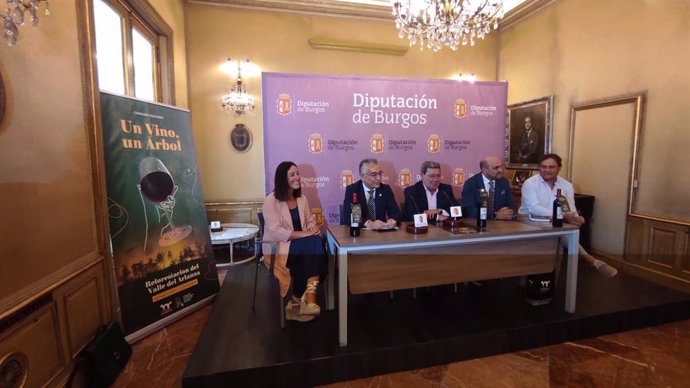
(438, 23)
(13, 17)
(238, 101)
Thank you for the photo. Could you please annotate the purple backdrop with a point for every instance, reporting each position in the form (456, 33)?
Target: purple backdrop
(327, 124)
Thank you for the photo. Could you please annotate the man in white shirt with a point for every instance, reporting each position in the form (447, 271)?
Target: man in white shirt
(538, 193)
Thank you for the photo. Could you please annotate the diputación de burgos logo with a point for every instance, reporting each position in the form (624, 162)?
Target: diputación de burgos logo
(460, 108)
(284, 104)
(458, 177)
(376, 143)
(346, 178)
(315, 143)
(433, 143)
(318, 216)
(405, 177)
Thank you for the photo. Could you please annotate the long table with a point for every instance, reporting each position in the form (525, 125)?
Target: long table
(386, 261)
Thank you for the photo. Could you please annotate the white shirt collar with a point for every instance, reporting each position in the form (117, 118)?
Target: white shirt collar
(486, 181)
(428, 192)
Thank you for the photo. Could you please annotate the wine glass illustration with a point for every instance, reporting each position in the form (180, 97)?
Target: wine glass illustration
(157, 185)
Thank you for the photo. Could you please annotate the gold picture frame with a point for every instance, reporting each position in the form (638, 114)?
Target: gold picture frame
(2, 99)
(525, 145)
(519, 177)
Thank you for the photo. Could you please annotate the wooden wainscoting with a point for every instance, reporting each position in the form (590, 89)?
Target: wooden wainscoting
(244, 212)
(659, 250)
(40, 340)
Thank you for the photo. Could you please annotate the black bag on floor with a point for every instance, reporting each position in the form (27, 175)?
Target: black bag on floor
(103, 358)
(540, 289)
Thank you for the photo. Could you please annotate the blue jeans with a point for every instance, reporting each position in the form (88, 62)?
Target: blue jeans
(307, 258)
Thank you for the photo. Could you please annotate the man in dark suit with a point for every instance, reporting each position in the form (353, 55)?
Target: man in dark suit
(429, 195)
(379, 209)
(529, 142)
(491, 174)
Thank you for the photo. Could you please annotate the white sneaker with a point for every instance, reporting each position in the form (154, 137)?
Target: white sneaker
(604, 269)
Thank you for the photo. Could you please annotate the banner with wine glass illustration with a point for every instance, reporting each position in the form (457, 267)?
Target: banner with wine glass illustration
(164, 264)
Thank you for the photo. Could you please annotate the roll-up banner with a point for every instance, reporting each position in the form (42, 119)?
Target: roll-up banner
(327, 124)
(163, 259)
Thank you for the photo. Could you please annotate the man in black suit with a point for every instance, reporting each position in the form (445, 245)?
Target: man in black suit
(491, 174)
(429, 195)
(379, 209)
(529, 143)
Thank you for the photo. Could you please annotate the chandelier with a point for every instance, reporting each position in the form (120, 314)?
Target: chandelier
(237, 100)
(13, 17)
(438, 23)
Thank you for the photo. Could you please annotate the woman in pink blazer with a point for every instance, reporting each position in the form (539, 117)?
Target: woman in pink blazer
(300, 252)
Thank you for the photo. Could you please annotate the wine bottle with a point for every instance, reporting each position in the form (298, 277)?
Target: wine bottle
(482, 210)
(355, 216)
(557, 217)
(564, 203)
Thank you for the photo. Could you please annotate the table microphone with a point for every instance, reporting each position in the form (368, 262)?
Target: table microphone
(416, 208)
(451, 200)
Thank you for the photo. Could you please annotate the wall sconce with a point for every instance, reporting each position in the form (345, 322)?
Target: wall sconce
(13, 17)
(237, 100)
(467, 77)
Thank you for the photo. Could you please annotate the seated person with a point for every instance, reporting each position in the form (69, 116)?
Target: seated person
(491, 174)
(379, 209)
(429, 195)
(538, 193)
(300, 253)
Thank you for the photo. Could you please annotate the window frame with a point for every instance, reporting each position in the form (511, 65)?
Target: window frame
(141, 15)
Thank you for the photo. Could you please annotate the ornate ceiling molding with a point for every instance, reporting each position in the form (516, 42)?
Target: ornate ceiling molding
(319, 7)
(361, 10)
(523, 11)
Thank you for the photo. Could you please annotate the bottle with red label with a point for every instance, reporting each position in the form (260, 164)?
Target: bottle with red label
(355, 216)
(482, 210)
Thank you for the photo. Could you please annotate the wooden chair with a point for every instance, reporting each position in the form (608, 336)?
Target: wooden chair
(260, 254)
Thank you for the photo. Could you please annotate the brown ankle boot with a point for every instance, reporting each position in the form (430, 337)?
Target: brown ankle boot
(308, 304)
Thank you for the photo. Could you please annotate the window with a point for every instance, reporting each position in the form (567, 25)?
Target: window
(128, 49)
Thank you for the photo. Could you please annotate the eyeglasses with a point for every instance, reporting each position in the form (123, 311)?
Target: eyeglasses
(434, 176)
(374, 175)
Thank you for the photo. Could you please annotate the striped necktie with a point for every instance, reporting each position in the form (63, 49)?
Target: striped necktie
(371, 206)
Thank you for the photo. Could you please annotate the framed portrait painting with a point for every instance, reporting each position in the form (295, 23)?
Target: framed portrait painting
(528, 132)
(519, 178)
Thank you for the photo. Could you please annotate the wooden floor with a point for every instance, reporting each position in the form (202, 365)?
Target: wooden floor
(243, 347)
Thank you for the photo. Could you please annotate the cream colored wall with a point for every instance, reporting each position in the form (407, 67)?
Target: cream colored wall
(172, 11)
(47, 216)
(584, 50)
(47, 211)
(279, 43)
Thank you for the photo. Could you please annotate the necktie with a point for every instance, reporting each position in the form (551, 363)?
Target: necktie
(371, 206)
(492, 195)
